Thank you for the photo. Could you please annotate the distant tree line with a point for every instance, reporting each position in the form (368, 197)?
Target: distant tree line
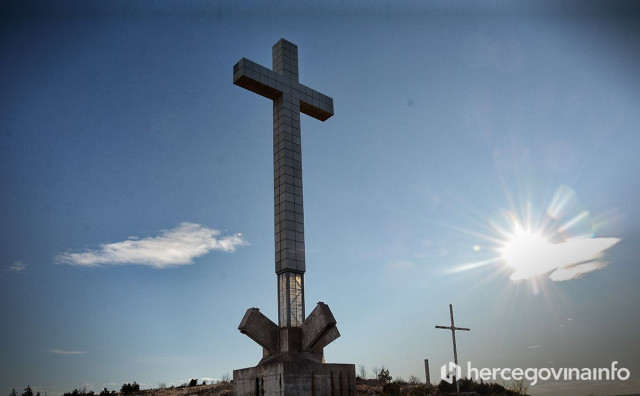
(125, 389)
(27, 392)
(83, 392)
(128, 389)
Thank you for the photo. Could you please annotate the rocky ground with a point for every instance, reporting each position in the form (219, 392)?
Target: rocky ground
(363, 388)
(226, 389)
(370, 389)
(221, 389)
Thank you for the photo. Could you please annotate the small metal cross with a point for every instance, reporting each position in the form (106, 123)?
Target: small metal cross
(453, 329)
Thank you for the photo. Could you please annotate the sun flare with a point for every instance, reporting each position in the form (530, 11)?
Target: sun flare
(556, 241)
(531, 253)
(521, 249)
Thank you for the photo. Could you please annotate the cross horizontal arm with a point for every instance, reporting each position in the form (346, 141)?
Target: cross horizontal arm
(257, 78)
(314, 104)
(265, 82)
(453, 328)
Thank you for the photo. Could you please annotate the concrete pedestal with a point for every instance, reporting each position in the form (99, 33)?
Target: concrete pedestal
(295, 377)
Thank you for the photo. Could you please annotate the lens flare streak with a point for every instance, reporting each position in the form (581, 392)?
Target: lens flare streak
(558, 242)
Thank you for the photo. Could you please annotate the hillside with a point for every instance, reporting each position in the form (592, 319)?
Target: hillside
(221, 389)
(363, 388)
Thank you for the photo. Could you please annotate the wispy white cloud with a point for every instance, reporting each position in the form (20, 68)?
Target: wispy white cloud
(576, 271)
(564, 261)
(63, 352)
(17, 266)
(174, 247)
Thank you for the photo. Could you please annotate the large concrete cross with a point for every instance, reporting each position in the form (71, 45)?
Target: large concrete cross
(290, 98)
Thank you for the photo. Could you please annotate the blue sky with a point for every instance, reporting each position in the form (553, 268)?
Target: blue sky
(137, 214)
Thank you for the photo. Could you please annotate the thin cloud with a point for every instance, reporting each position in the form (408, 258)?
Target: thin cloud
(17, 266)
(564, 261)
(63, 352)
(175, 247)
(576, 271)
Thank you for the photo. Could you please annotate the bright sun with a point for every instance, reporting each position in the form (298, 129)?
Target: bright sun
(558, 242)
(523, 251)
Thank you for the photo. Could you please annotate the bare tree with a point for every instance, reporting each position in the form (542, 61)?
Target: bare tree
(413, 380)
(362, 371)
(519, 387)
(374, 372)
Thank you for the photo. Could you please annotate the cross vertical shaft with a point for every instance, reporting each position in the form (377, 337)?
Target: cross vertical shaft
(290, 98)
(453, 335)
(288, 209)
